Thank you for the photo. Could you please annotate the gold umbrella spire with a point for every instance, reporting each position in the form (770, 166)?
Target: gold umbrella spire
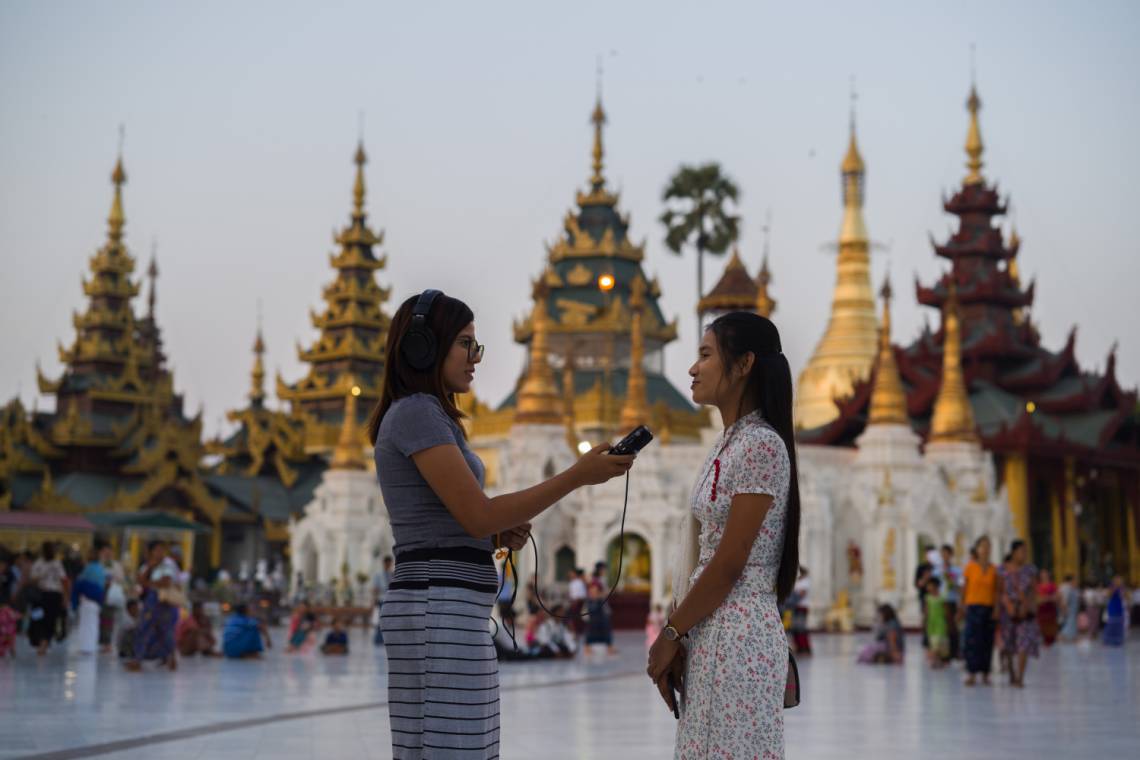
(598, 117)
(538, 401)
(953, 417)
(974, 146)
(349, 452)
(888, 400)
(358, 188)
(635, 410)
(116, 219)
(257, 374)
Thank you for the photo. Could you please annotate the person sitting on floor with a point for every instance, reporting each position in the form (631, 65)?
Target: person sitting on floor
(336, 642)
(194, 634)
(242, 636)
(302, 628)
(127, 629)
(889, 645)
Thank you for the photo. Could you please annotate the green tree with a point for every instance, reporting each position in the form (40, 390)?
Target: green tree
(697, 214)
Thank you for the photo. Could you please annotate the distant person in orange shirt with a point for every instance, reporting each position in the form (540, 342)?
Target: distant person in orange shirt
(979, 604)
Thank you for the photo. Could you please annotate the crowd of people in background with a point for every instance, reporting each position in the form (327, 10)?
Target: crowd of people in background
(1009, 608)
(144, 614)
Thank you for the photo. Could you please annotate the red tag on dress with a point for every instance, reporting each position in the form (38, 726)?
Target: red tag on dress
(716, 477)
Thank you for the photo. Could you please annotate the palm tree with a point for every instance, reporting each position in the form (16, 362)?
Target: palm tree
(696, 213)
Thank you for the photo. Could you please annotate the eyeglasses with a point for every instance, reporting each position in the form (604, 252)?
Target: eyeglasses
(474, 350)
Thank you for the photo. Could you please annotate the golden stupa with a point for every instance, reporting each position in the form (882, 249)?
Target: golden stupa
(849, 345)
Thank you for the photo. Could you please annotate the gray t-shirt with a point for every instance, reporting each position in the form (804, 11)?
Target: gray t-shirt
(419, 519)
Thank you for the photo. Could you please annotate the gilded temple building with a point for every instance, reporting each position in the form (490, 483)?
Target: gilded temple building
(596, 337)
(264, 473)
(1064, 441)
(118, 451)
(284, 475)
(353, 331)
(844, 354)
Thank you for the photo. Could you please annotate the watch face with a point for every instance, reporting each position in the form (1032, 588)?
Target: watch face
(671, 633)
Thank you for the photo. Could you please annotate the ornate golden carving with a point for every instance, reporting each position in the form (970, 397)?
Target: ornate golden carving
(580, 275)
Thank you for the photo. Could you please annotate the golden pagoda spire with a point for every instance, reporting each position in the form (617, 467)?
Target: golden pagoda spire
(360, 159)
(888, 400)
(152, 274)
(854, 230)
(349, 452)
(598, 117)
(765, 304)
(850, 343)
(257, 374)
(116, 219)
(953, 417)
(635, 410)
(538, 402)
(974, 146)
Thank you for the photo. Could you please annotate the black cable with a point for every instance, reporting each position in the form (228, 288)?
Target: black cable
(617, 577)
(510, 566)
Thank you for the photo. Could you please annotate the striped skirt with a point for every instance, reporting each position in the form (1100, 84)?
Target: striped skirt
(443, 675)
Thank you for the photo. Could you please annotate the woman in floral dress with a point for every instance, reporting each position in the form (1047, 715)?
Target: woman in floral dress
(724, 645)
(1020, 634)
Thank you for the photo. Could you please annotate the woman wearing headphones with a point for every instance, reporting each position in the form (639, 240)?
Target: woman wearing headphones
(443, 676)
(724, 643)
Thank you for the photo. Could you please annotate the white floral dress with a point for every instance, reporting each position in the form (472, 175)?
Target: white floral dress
(738, 656)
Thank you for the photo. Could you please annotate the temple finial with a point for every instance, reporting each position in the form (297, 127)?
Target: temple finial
(598, 118)
(953, 417)
(888, 400)
(257, 375)
(974, 145)
(152, 273)
(116, 219)
(538, 401)
(360, 159)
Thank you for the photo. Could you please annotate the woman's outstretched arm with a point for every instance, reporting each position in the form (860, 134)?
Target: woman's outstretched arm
(447, 473)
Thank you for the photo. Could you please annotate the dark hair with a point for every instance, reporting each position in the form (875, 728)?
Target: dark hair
(769, 389)
(947, 548)
(933, 580)
(1017, 544)
(1068, 578)
(242, 609)
(887, 613)
(445, 320)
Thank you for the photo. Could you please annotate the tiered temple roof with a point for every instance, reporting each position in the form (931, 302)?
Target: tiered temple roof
(353, 332)
(118, 439)
(1022, 397)
(264, 472)
(584, 312)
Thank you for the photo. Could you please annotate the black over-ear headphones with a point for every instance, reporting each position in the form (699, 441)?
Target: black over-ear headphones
(418, 345)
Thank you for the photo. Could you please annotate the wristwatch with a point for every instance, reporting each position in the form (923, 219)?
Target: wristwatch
(671, 633)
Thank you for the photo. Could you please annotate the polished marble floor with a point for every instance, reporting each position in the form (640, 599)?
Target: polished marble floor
(1081, 701)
